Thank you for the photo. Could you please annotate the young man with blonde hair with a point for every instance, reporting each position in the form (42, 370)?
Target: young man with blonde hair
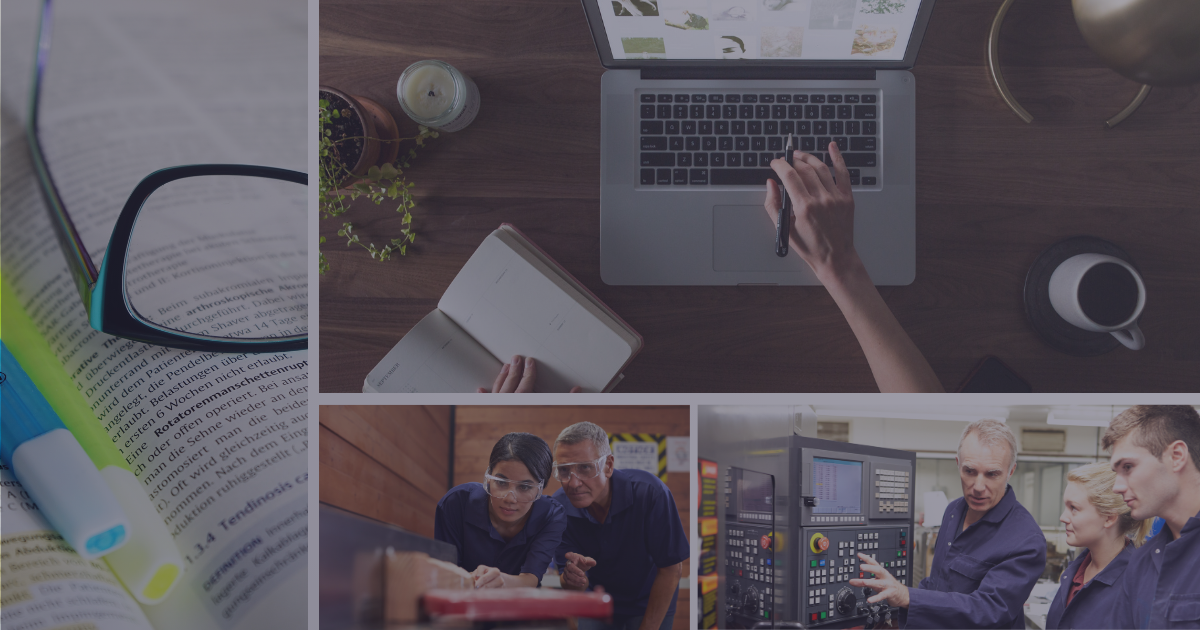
(1156, 455)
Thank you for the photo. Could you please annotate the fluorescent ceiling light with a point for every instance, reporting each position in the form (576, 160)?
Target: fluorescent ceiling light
(1083, 415)
(941, 412)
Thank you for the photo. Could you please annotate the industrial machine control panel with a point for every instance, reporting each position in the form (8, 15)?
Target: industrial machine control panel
(749, 546)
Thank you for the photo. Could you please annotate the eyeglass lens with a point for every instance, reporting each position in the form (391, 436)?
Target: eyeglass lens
(521, 491)
(582, 471)
(221, 256)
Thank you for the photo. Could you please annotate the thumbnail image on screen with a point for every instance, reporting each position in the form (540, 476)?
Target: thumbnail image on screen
(757, 493)
(837, 485)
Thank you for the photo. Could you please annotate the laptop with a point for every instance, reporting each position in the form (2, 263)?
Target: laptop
(696, 101)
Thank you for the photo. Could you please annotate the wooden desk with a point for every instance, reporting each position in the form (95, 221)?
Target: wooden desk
(993, 192)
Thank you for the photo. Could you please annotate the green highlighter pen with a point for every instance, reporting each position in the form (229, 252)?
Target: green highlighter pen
(149, 565)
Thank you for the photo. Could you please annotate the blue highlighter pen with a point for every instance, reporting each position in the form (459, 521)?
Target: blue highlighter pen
(53, 468)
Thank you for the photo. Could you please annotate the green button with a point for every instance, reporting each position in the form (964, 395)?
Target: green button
(814, 563)
(822, 615)
(897, 553)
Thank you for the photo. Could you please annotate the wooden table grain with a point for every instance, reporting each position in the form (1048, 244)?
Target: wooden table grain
(992, 193)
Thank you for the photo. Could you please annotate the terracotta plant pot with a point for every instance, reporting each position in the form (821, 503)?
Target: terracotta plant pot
(381, 137)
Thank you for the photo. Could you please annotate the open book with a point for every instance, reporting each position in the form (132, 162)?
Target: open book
(510, 298)
(131, 87)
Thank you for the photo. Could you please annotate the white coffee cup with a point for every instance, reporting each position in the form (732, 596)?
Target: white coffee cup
(1095, 292)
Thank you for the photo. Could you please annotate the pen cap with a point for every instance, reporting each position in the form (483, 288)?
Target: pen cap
(24, 412)
(150, 565)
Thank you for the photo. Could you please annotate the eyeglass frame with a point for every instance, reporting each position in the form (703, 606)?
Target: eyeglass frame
(103, 292)
(541, 485)
(554, 468)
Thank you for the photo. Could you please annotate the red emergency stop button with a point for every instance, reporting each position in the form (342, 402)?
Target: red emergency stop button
(765, 542)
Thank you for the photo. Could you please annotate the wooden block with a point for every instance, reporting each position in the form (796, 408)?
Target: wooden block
(408, 574)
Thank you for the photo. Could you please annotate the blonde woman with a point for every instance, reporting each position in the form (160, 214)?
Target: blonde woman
(1098, 520)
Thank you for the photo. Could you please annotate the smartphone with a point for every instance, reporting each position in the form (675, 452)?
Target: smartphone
(992, 376)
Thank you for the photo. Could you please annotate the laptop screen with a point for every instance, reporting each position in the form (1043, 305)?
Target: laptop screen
(828, 30)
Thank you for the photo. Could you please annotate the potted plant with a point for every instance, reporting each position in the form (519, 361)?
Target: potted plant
(359, 145)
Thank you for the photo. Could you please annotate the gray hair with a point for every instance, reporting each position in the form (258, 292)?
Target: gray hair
(991, 432)
(585, 431)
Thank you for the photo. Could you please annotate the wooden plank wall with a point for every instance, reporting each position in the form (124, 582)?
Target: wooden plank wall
(389, 463)
(478, 428)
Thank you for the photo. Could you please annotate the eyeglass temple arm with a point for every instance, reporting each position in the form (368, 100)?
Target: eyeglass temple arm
(83, 270)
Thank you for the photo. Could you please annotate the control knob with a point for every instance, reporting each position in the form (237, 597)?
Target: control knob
(845, 601)
(751, 604)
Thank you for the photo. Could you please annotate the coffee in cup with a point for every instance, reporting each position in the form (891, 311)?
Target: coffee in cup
(1100, 293)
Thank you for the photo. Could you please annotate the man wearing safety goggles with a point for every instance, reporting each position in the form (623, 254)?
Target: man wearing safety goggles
(623, 532)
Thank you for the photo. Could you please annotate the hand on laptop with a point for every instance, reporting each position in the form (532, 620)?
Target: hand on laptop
(518, 377)
(822, 234)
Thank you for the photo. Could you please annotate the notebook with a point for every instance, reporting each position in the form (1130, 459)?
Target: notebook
(696, 103)
(510, 298)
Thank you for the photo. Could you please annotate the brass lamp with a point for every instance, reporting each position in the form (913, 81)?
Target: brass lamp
(1153, 42)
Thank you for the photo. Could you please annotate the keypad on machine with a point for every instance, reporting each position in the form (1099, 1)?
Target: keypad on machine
(730, 139)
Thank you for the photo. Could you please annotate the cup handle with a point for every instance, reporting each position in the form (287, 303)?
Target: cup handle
(1131, 337)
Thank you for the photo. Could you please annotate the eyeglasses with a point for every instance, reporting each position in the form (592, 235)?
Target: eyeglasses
(581, 470)
(522, 491)
(205, 257)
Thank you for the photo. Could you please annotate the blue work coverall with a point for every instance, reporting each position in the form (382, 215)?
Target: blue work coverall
(1094, 604)
(1161, 588)
(981, 577)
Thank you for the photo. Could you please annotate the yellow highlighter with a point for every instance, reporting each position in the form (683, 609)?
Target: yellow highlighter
(149, 565)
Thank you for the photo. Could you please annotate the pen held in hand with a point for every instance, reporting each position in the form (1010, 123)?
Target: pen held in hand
(783, 227)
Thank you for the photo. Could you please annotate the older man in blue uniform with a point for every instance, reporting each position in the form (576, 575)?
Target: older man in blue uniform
(1156, 455)
(623, 532)
(989, 552)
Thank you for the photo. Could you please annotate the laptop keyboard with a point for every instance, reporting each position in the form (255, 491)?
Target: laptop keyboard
(729, 139)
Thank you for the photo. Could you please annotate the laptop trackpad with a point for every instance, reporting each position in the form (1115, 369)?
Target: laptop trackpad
(744, 240)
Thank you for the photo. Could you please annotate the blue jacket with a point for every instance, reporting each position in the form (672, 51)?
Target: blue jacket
(1161, 588)
(462, 520)
(1094, 603)
(981, 577)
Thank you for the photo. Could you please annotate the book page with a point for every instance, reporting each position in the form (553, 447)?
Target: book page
(218, 441)
(436, 356)
(512, 306)
(45, 584)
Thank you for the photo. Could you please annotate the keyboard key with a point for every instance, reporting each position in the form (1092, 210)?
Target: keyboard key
(852, 127)
(658, 159)
(699, 98)
(698, 177)
(804, 128)
(676, 143)
(716, 98)
(800, 98)
(854, 181)
(725, 143)
(664, 176)
(647, 98)
(758, 143)
(692, 144)
(742, 177)
(778, 111)
(775, 143)
(745, 111)
(750, 159)
(766, 98)
(741, 143)
(823, 143)
(754, 127)
(868, 98)
(786, 127)
(681, 98)
(710, 143)
(712, 111)
(696, 111)
(654, 143)
(764, 159)
(721, 127)
(836, 128)
(664, 98)
(860, 159)
(796, 111)
(648, 173)
(683, 159)
(733, 98)
(738, 127)
(854, 172)
(818, 98)
(810, 112)
(821, 127)
(762, 112)
(749, 98)
(689, 127)
(770, 127)
(869, 128)
(851, 98)
(733, 159)
(783, 98)
(701, 159)
(679, 176)
(664, 111)
(843, 111)
(863, 144)
(808, 144)
(827, 111)
(652, 127)
(865, 112)
(681, 111)
(705, 127)
(842, 142)
(647, 111)
(729, 111)
(868, 181)
(835, 98)
(716, 159)
(672, 127)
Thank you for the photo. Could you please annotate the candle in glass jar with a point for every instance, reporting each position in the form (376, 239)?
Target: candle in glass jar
(429, 91)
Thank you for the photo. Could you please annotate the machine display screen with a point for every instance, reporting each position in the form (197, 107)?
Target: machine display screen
(837, 485)
(757, 493)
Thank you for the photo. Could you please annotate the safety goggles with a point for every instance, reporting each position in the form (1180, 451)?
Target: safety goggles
(581, 470)
(521, 491)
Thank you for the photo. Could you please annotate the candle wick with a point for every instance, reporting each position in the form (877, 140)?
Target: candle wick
(431, 92)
